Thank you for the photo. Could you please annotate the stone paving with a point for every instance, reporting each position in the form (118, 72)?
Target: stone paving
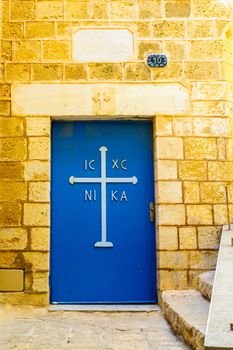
(28, 328)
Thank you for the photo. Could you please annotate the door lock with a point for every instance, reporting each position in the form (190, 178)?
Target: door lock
(152, 212)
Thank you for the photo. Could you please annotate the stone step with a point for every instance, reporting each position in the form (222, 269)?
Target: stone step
(187, 313)
(204, 283)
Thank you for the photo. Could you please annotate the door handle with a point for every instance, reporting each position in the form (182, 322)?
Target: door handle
(152, 212)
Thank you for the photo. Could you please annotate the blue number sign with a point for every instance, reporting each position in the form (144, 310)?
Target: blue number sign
(157, 60)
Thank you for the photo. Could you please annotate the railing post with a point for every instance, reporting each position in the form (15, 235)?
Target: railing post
(228, 208)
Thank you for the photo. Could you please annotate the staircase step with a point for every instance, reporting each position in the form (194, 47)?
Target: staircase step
(187, 313)
(204, 283)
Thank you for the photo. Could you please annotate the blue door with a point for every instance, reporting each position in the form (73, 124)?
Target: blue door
(103, 234)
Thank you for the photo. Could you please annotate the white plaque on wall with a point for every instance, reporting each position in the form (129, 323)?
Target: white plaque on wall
(102, 45)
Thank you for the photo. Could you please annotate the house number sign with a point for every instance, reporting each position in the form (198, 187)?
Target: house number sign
(104, 180)
(156, 60)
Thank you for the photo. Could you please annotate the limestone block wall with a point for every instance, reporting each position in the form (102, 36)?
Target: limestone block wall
(193, 152)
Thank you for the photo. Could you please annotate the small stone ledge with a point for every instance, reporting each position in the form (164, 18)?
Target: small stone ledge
(205, 283)
(187, 313)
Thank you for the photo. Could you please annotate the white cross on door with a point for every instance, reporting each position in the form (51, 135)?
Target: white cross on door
(103, 180)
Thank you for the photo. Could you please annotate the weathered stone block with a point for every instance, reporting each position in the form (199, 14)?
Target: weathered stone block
(207, 49)
(105, 71)
(41, 71)
(38, 126)
(5, 107)
(18, 71)
(11, 127)
(39, 148)
(170, 148)
(14, 298)
(37, 260)
(167, 238)
(203, 260)
(192, 170)
(166, 169)
(137, 71)
(22, 10)
(222, 145)
(11, 171)
(40, 30)
(28, 50)
(175, 50)
(171, 260)
(209, 237)
(220, 214)
(13, 149)
(76, 10)
(211, 126)
(199, 214)
(146, 47)
(177, 9)
(200, 29)
(40, 282)
(9, 259)
(200, 148)
(10, 214)
(182, 126)
(40, 238)
(212, 192)
(210, 8)
(209, 91)
(6, 53)
(99, 10)
(172, 279)
(39, 191)
(188, 237)
(209, 108)
(171, 214)
(5, 90)
(13, 191)
(149, 9)
(174, 71)
(229, 149)
(220, 171)
(49, 10)
(122, 9)
(169, 29)
(163, 126)
(13, 238)
(191, 192)
(12, 30)
(169, 192)
(36, 214)
(37, 170)
(56, 50)
(75, 72)
(142, 29)
(195, 70)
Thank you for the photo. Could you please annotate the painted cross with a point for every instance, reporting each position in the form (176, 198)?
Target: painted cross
(103, 180)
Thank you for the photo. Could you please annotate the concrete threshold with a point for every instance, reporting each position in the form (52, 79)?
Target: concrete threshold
(105, 307)
(219, 334)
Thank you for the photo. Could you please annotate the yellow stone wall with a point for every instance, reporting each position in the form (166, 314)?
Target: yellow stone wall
(193, 152)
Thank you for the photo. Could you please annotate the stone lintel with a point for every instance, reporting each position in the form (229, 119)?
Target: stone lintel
(100, 99)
